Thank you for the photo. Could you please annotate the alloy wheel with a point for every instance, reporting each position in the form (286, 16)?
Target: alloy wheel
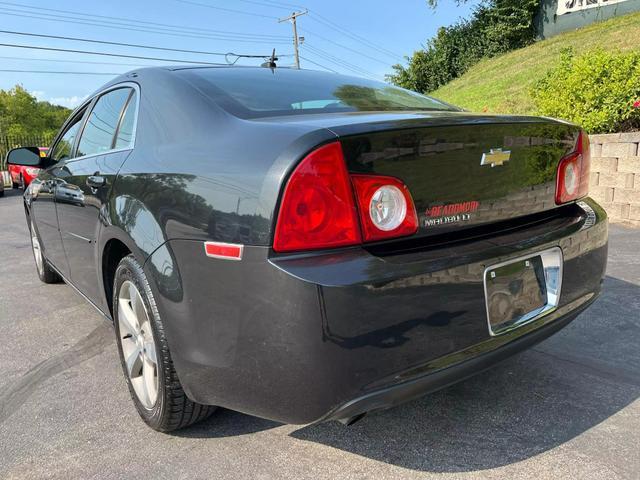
(37, 250)
(138, 345)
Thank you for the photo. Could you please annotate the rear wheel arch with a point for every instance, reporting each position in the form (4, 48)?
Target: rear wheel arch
(114, 250)
(122, 234)
(115, 245)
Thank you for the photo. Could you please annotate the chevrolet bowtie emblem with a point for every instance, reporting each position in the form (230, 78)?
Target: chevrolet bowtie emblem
(496, 157)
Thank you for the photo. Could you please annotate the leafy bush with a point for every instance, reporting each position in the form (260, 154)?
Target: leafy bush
(596, 90)
(497, 26)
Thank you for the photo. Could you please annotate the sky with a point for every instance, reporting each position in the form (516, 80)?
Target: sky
(362, 38)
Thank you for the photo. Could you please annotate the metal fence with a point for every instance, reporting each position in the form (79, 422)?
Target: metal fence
(7, 142)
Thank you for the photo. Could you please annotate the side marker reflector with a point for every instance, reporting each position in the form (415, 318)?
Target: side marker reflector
(225, 251)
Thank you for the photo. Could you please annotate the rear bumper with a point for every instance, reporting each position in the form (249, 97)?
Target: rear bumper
(460, 369)
(307, 338)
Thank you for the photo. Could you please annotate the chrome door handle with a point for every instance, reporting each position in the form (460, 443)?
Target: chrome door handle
(96, 181)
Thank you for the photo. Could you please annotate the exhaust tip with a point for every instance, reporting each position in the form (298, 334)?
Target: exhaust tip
(351, 420)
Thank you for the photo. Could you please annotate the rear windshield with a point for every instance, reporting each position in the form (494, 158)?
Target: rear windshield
(261, 92)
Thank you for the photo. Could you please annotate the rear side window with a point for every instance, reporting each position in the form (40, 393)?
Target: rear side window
(261, 92)
(124, 136)
(99, 132)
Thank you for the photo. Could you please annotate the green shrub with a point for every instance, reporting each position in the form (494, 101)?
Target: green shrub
(496, 27)
(596, 90)
(447, 56)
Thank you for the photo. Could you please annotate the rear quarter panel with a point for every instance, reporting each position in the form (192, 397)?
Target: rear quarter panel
(196, 174)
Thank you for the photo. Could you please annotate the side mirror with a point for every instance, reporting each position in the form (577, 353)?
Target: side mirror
(27, 156)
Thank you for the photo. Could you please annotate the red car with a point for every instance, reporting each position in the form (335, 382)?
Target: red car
(21, 175)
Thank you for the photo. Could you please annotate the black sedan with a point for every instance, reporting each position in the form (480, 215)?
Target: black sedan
(305, 246)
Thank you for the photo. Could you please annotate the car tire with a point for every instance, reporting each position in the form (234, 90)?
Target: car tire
(144, 351)
(14, 185)
(46, 274)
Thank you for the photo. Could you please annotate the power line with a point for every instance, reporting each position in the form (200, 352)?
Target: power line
(220, 35)
(315, 16)
(113, 25)
(135, 45)
(293, 18)
(325, 58)
(61, 72)
(317, 64)
(328, 23)
(324, 20)
(338, 61)
(137, 21)
(82, 62)
(180, 34)
(231, 10)
(268, 3)
(346, 48)
(104, 54)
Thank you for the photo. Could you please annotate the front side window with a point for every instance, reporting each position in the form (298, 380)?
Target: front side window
(63, 149)
(98, 134)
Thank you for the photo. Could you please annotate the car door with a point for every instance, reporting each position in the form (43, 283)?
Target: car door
(43, 207)
(104, 144)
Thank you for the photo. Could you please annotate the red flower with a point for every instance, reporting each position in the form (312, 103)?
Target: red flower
(636, 104)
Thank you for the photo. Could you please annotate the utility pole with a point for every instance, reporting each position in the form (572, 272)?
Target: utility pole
(293, 17)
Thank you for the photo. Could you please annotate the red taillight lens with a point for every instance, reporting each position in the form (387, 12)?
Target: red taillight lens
(386, 207)
(318, 209)
(573, 172)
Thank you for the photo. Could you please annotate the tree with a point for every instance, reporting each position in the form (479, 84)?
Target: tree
(434, 3)
(22, 114)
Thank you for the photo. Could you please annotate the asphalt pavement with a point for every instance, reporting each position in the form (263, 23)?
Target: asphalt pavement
(569, 408)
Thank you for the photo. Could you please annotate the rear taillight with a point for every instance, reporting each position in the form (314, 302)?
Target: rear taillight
(386, 207)
(318, 208)
(573, 172)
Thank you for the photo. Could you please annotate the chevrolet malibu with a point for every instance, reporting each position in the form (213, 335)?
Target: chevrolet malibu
(305, 246)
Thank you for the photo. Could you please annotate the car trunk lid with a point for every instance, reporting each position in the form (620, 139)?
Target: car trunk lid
(468, 173)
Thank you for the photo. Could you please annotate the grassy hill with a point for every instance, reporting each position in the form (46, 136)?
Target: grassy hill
(501, 84)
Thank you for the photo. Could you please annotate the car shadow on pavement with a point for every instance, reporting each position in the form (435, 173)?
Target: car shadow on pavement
(529, 404)
(226, 423)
